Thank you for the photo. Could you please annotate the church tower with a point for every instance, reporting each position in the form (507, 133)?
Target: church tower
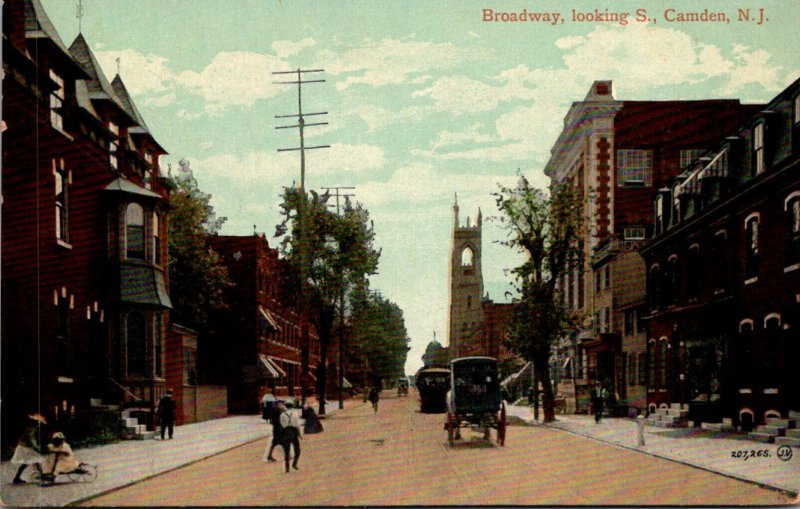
(466, 288)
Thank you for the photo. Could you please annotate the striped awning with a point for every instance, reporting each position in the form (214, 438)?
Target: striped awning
(267, 317)
(272, 369)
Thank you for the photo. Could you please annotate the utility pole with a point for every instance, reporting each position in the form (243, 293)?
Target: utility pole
(341, 302)
(302, 244)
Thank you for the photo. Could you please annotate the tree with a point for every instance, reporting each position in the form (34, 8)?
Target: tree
(547, 229)
(434, 354)
(197, 278)
(379, 332)
(334, 253)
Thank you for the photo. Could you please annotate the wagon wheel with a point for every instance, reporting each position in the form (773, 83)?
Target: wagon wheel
(501, 426)
(84, 473)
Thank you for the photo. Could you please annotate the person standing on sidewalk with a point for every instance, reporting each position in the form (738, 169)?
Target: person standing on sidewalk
(272, 413)
(374, 397)
(28, 450)
(290, 432)
(598, 399)
(166, 414)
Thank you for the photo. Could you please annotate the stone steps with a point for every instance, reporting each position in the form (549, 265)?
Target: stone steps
(760, 437)
(794, 442)
(793, 433)
(717, 426)
(771, 430)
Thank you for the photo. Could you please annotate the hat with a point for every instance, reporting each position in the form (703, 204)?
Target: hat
(37, 417)
(58, 434)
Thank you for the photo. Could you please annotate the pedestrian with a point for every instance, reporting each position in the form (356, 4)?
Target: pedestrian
(272, 414)
(290, 435)
(598, 398)
(312, 424)
(28, 450)
(374, 397)
(166, 414)
(60, 458)
(530, 396)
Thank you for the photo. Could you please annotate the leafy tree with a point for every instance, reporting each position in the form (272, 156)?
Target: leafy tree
(547, 229)
(197, 278)
(435, 353)
(334, 253)
(379, 332)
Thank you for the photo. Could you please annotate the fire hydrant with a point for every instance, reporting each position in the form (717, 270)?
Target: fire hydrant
(640, 426)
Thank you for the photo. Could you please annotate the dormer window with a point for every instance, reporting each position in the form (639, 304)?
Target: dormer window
(676, 203)
(634, 168)
(660, 224)
(134, 232)
(57, 101)
(758, 149)
(751, 226)
(113, 146)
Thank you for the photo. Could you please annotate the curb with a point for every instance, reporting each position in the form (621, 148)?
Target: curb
(151, 476)
(784, 491)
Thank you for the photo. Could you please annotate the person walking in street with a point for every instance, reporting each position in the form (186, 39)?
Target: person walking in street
(28, 450)
(312, 423)
(290, 434)
(374, 397)
(598, 400)
(272, 414)
(166, 414)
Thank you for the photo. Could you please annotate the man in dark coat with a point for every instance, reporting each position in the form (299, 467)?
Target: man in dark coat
(166, 414)
(598, 400)
(272, 413)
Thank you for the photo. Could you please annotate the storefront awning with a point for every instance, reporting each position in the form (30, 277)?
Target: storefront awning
(346, 383)
(511, 378)
(267, 317)
(273, 370)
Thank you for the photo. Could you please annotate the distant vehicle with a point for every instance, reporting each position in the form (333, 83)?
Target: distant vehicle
(474, 399)
(402, 386)
(432, 385)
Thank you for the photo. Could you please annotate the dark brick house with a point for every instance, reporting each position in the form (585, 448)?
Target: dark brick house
(256, 345)
(85, 283)
(724, 275)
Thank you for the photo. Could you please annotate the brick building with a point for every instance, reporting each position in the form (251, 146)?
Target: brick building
(618, 154)
(256, 342)
(724, 275)
(85, 279)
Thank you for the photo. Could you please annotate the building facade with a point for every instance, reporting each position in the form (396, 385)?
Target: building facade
(724, 275)
(85, 210)
(255, 345)
(618, 154)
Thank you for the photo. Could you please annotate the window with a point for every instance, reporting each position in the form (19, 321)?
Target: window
(654, 287)
(771, 358)
(793, 237)
(694, 272)
(608, 276)
(676, 203)
(662, 364)
(660, 225)
(719, 266)
(634, 167)
(57, 101)
(135, 340)
(751, 247)
(651, 365)
(62, 177)
(597, 281)
(642, 368)
(672, 288)
(607, 319)
(134, 232)
(758, 148)
(190, 366)
(157, 346)
(157, 242)
(113, 146)
(744, 354)
(634, 233)
(467, 257)
(632, 368)
(629, 321)
(469, 301)
(63, 346)
(580, 288)
(689, 155)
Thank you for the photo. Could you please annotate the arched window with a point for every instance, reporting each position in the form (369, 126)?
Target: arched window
(156, 240)
(751, 226)
(744, 354)
(771, 355)
(793, 234)
(676, 203)
(467, 256)
(134, 231)
(660, 225)
(135, 343)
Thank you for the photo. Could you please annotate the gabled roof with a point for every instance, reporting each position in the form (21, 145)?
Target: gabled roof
(130, 106)
(98, 86)
(39, 26)
(82, 95)
(124, 185)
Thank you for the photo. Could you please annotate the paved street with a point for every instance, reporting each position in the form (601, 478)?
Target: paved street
(401, 457)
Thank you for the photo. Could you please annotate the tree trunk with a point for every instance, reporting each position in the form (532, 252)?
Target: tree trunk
(541, 364)
(324, 331)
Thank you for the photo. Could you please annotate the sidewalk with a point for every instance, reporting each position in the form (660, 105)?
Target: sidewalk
(709, 450)
(130, 461)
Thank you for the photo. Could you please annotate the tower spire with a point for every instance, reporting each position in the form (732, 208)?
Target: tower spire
(79, 15)
(455, 211)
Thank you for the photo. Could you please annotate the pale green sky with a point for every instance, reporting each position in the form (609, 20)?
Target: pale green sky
(424, 100)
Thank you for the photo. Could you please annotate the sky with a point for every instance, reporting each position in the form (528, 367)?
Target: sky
(424, 100)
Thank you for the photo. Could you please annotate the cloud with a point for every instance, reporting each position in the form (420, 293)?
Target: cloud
(288, 48)
(390, 61)
(143, 74)
(472, 134)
